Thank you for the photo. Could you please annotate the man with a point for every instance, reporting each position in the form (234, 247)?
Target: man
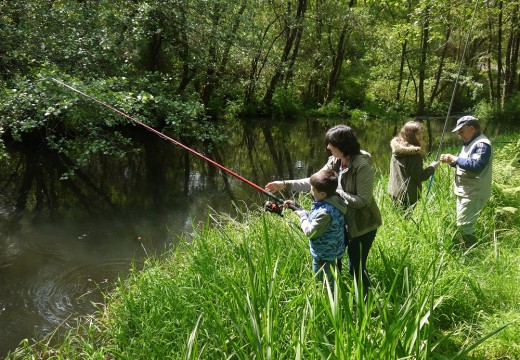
(472, 184)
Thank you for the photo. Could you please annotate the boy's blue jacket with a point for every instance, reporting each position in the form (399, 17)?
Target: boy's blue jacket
(324, 224)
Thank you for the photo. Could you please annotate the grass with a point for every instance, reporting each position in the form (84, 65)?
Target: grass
(244, 289)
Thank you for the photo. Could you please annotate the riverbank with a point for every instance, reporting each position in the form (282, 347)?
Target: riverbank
(244, 289)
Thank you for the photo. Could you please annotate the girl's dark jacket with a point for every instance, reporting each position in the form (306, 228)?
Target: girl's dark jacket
(406, 172)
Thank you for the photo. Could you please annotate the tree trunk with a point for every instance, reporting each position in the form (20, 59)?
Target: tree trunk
(210, 77)
(291, 33)
(184, 55)
(435, 90)
(400, 80)
(438, 75)
(489, 55)
(214, 71)
(511, 57)
(294, 53)
(401, 70)
(251, 84)
(151, 58)
(499, 51)
(314, 85)
(336, 64)
(256, 70)
(422, 65)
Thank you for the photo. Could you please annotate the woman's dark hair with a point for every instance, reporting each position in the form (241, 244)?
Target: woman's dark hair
(326, 181)
(345, 139)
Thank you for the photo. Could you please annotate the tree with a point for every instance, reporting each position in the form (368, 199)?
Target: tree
(292, 32)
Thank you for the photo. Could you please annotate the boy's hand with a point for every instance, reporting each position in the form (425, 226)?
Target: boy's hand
(289, 204)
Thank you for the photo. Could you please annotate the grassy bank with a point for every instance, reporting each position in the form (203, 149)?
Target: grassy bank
(244, 289)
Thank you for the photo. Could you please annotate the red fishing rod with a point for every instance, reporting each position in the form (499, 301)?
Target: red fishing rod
(273, 207)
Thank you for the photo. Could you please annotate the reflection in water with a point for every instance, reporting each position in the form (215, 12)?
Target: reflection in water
(52, 272)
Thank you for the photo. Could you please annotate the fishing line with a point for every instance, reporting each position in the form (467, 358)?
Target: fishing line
(166, 137)
(454, 91)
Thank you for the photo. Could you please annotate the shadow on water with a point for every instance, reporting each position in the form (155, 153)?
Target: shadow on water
(64, 243)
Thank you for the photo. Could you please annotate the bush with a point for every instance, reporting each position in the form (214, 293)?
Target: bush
(286, 102)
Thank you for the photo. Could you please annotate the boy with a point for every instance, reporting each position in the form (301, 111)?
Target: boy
(324, 224)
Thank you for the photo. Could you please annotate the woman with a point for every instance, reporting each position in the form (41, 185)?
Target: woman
(356, 186)
(406, 166)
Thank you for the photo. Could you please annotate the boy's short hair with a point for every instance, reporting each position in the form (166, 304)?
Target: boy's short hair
(326, 181)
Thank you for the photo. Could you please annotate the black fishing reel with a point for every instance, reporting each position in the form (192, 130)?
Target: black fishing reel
(273, 207)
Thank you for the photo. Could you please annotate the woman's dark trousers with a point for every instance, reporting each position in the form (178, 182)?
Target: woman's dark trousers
(358, 249)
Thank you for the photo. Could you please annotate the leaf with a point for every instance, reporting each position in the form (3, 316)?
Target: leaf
(506, 209)
(512, 191)
(464, 352)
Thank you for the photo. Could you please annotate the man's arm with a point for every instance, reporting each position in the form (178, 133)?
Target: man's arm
(477, 159)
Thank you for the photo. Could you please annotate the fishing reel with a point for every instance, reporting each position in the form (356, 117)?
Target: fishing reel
(273, 207)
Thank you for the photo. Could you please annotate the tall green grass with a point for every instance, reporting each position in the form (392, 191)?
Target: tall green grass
(245, 290)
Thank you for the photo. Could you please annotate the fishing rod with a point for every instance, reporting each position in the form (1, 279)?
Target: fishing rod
(268, 205)
(468, 36)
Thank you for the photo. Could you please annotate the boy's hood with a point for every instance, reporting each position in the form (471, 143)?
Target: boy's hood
(338, 202)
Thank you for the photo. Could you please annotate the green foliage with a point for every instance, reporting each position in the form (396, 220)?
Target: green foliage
(506, 178)
(286, 103)
(74, 125)
(333, 108)
(506, 116)
(359, 116)
(233, 110)
(218, 54)
(3, 152)
(353, 87)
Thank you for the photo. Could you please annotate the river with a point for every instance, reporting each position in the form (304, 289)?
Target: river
(56, 266)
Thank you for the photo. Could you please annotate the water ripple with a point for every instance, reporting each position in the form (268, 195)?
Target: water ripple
(75, 291)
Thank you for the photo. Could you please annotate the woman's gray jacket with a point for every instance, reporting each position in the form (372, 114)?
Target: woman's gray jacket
(357, 188)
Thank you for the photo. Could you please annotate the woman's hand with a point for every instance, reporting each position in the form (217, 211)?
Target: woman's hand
(275, 186)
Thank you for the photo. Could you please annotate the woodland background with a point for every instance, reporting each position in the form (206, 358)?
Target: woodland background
(187, 68)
